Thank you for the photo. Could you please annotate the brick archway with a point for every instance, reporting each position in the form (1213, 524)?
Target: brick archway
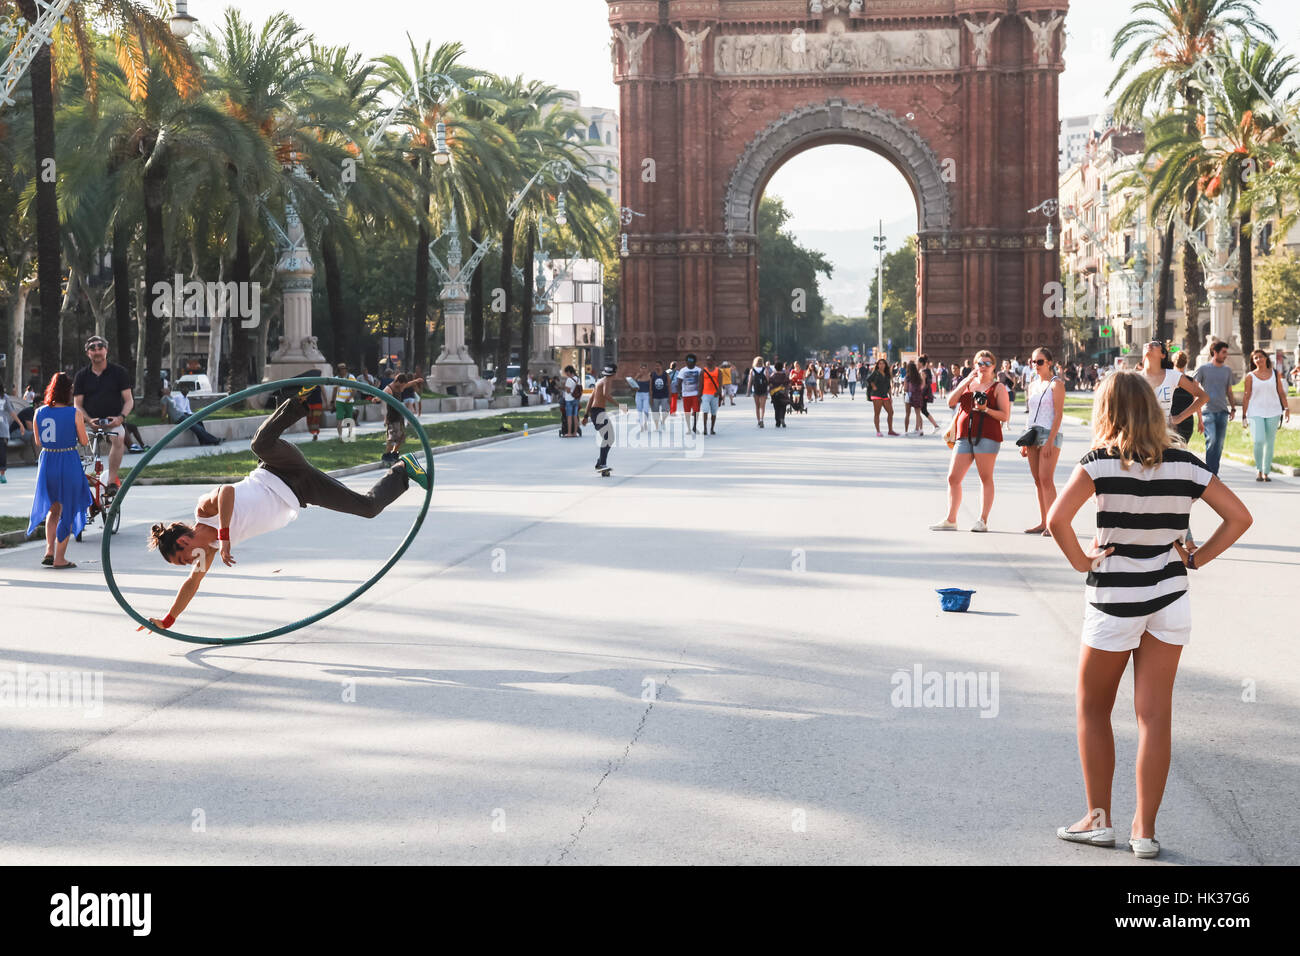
(961, 95)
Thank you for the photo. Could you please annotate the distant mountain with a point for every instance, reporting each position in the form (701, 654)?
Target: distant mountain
(852, 253)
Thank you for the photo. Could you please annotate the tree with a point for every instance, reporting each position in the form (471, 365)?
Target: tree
(1277, 286)
(789, 300)
(258, 78)
(1166, 40)
(158, 143)
(135, 34)
(1249, 126)
(899, 300)
(438, 88)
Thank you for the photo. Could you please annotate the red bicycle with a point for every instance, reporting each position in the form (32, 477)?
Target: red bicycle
(101, 492)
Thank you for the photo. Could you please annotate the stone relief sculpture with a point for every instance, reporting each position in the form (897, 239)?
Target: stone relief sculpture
(835, 51)
(1043, 33)
(982, 38)
(633, 46)
(694, 43)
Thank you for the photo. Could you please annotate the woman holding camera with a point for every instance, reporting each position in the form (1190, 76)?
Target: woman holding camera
(1046, 396)
(984, 407)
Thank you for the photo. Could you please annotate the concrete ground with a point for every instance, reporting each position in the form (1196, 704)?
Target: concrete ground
(696, 660)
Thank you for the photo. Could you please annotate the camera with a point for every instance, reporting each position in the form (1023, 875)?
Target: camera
(980, 399)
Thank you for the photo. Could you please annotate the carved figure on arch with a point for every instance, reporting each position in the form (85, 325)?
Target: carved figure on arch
(1043, 33)
(633, 46)
(982, 39)
(694, 44)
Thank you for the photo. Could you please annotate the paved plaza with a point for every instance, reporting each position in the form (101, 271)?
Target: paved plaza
(697, 660)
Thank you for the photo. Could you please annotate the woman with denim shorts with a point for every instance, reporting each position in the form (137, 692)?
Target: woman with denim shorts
(984, 407)
(1046, 399)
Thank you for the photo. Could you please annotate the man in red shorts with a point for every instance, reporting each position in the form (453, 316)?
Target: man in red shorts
(688, 385)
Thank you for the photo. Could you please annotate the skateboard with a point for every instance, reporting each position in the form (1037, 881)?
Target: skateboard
(606, 472)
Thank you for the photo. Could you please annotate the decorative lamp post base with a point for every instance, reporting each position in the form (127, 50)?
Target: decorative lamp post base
(459, 378)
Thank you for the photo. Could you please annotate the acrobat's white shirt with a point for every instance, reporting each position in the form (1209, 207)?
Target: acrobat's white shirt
(263, 502)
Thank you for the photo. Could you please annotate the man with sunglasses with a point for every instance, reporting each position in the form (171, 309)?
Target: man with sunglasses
(102, 390)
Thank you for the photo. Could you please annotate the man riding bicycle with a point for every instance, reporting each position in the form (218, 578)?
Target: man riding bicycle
(102, 390)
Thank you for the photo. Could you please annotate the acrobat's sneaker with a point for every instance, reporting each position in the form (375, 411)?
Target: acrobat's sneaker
(415, 471)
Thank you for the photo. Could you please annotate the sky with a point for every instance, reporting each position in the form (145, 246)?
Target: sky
(566, 43)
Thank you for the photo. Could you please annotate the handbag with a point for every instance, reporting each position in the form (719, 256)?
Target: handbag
(1030, 437)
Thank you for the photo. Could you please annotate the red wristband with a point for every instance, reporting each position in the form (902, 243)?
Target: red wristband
(223, 534)
(167, 622)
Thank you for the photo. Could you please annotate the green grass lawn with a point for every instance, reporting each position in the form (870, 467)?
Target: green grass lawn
(10, 523)
(1238, 444)
(1285, 452)
(331, 454)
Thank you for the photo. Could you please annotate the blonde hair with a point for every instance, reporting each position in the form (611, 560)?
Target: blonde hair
(1127, 420)
(758, 360)
(985, 352)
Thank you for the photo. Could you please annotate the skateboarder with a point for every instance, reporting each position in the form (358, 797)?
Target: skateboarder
(602, 396)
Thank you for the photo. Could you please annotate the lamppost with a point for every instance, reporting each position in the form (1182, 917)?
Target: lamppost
(182, 23)
(543, 291)
(455, 370)
(878, 243)
(1051, 207)
(49, 14)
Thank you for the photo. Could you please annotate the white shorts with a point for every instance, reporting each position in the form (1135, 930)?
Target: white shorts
(1106, 632)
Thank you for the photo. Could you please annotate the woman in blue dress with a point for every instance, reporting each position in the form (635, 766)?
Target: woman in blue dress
(61, 489)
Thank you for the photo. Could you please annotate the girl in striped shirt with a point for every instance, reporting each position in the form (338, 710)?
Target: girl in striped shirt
(1145, 483)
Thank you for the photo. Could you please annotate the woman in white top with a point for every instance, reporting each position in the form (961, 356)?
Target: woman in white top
(1263, 408)
(1046, 399)
(1158, 369)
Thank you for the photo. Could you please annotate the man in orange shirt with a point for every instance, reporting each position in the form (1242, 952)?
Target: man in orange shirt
(711, 386)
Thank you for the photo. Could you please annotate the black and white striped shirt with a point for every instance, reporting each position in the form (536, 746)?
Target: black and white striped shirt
(1141, 512)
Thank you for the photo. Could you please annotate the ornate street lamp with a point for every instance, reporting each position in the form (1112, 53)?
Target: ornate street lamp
(441, 154)
(182, 23)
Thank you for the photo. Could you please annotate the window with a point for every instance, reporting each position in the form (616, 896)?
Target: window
(593, 133)
(609, 193)
(609, 138)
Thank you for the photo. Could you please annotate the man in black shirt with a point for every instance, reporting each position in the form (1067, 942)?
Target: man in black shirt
(103, 390)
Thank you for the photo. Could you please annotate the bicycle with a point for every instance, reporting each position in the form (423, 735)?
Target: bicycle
(101, 493)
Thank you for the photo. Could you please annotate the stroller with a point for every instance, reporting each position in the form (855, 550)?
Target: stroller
(796, 399)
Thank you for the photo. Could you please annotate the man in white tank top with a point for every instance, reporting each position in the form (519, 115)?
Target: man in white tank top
(267, 500)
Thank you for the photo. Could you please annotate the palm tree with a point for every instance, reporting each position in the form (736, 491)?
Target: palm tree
(437, 88)
(363, 186)
(156, 143)
(136, 35)
(1165, 42)
(1248, 126)
(543, 130)
(258, 77)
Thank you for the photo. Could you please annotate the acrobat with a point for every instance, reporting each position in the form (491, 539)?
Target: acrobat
(267, 500)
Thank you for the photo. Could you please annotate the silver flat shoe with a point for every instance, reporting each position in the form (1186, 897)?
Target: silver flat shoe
(1101, 836)
(1144, 848)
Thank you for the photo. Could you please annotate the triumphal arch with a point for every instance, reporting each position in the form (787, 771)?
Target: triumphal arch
(715, 95)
